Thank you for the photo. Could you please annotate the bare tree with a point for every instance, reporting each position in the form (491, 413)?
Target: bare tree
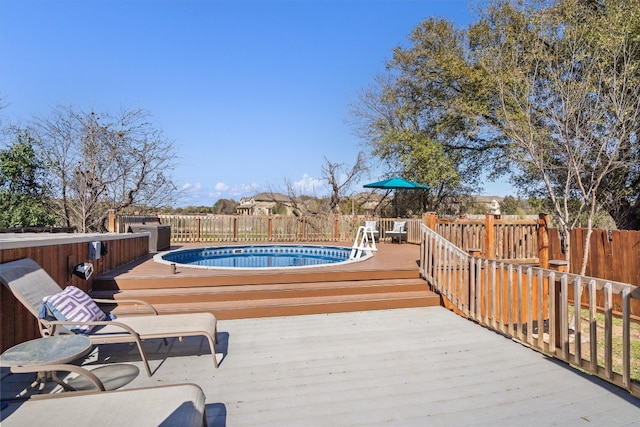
(341, 179)
(105, 161)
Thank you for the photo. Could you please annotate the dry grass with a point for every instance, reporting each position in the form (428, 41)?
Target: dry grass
(616, 350)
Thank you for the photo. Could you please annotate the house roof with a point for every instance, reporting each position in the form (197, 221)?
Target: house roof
(269, 197)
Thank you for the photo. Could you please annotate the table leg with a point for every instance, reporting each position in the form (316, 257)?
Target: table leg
(39, 382)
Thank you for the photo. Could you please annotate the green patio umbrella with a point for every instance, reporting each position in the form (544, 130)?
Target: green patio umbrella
(396, 184)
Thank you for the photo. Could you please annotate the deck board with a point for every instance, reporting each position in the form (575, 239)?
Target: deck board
(416, 366)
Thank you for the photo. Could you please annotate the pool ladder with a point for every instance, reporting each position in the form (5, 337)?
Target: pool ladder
(364, 241)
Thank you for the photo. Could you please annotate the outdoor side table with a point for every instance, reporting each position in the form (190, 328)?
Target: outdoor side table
(46, 356)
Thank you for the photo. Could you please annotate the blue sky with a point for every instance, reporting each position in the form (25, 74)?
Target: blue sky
(253, 93)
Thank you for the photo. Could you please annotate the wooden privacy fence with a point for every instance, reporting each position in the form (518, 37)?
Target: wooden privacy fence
(536, 306)
(613, 254)
(276, 228)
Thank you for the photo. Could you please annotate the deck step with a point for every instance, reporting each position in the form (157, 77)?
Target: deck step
(270, 291)
(391, 279)
(185, 280)
(242, 301)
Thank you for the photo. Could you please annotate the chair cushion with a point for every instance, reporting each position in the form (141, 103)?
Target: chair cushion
(398, 226)
(73, 304)
(371, 225)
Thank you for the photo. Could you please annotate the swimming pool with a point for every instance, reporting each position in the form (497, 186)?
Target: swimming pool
(259, 256)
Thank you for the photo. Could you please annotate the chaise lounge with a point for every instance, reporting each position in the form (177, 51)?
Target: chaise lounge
(31, 284)
(171, 405)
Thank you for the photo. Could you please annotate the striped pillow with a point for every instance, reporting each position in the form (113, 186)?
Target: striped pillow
(74, 304)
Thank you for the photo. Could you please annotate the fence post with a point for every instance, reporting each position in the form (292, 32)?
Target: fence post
(562, 267)
(304, 228)
(111, 221)
(543, 261)
(235, 228)
(336, 228)
(474, 282)
(489, 237)
(432, 221)
(543, 240)
(270, 228)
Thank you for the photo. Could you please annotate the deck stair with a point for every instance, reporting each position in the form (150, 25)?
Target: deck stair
(266, 295)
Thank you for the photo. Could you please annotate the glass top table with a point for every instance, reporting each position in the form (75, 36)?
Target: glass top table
(46, 356)
(46, 351)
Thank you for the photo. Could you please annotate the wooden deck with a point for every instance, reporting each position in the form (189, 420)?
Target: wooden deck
(390, 279)
(406, 367)
(388, 257)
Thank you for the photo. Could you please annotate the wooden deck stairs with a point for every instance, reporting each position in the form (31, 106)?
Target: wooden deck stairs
(251, 295)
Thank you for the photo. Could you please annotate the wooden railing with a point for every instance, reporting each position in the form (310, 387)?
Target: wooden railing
(494, 236)
(537, 307)
(246, 228)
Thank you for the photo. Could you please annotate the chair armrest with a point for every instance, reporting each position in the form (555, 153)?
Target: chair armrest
(127, 301)
(55, 323)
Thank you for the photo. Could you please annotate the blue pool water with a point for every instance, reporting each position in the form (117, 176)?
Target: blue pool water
(258, 256)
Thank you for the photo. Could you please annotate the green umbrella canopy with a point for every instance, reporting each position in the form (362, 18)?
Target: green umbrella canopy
(396, 183)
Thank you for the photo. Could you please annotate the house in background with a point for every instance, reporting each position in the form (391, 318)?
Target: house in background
(367, 203)
(488, 204)
(265, 204)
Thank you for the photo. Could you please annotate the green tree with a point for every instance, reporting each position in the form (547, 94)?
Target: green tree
(225, 207)
(547, 92)
(511, 206)
(417, 118)
(565, 87)
(23, 193)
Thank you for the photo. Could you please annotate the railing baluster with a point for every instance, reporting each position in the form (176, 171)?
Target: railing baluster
(577, 320)
(626, 337)
(564, 315)
(553, 309)
(608, 330)
(495, 294)
(593, 326)
(530, 306)
(510, 299)
(541, 309)
(520, 303)
(492, 298)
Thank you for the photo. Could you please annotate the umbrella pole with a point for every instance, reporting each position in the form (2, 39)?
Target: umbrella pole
(395, 201)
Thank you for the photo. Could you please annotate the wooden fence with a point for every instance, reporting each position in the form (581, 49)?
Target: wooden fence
(511, 238)
(613, 254)
(536, 306)
(255, 229)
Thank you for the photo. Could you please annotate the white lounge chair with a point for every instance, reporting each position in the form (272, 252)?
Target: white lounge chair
(172, 405)
(29, 283)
